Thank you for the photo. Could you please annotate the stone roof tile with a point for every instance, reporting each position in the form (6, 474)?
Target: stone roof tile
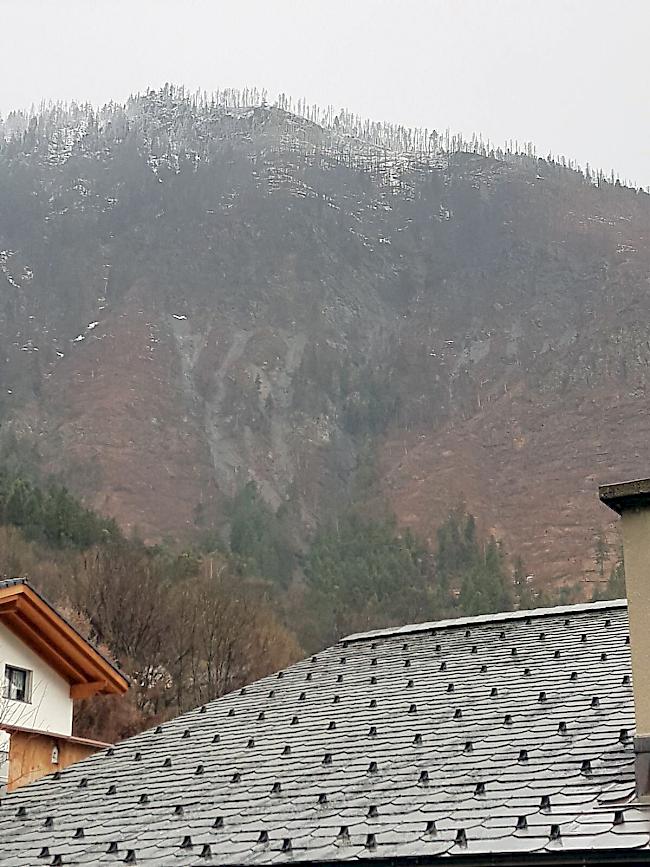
(493, 753)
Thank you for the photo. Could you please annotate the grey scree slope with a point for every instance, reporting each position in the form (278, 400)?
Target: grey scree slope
(475, 737)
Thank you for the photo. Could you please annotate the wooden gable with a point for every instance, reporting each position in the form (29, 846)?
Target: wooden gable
(29, 616)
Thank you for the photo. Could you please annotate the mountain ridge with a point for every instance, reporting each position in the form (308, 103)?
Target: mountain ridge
(199, 299)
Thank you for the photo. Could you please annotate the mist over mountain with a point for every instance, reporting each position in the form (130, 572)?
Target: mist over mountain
(198, 292)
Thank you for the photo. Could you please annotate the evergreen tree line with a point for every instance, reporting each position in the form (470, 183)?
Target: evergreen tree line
(51, 514)
(185, 626)
(61, 125)
(614, 586)
(190, 626)
(361, 572)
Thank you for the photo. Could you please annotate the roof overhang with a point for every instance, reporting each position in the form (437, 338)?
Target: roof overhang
(41, 733)
(625, 495)
(32, 619)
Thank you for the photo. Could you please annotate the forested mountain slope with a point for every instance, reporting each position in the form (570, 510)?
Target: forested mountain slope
(195, 294)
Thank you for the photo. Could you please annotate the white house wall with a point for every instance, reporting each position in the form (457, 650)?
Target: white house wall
(50, 708)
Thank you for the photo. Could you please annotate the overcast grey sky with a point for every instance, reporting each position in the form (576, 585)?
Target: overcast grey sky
(570, 75)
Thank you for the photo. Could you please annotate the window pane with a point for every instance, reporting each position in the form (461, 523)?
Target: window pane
(15, 683)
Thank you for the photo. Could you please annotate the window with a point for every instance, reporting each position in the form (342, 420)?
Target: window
(17, 683)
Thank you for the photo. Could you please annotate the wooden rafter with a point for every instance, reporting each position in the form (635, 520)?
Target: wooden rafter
(28, 615)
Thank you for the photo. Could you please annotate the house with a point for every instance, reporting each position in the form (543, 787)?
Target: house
(46, 665)
(506, 739)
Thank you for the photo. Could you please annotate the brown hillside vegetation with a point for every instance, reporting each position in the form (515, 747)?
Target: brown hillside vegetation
(530, 470)
(268, 296)
(120, 415)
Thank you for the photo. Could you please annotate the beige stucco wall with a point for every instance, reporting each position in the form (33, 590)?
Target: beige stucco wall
(636, 540)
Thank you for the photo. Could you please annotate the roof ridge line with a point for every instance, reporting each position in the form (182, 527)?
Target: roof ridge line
(500, 617)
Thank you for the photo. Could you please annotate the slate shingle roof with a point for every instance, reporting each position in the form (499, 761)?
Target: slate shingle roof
(485, 736)
(11, 582)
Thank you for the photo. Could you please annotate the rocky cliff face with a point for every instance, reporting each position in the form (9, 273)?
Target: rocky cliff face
(195, 296)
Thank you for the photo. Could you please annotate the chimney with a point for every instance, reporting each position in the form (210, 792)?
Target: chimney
(631, 500)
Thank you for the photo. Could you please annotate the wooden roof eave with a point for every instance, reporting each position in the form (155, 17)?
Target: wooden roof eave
(26, 613)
